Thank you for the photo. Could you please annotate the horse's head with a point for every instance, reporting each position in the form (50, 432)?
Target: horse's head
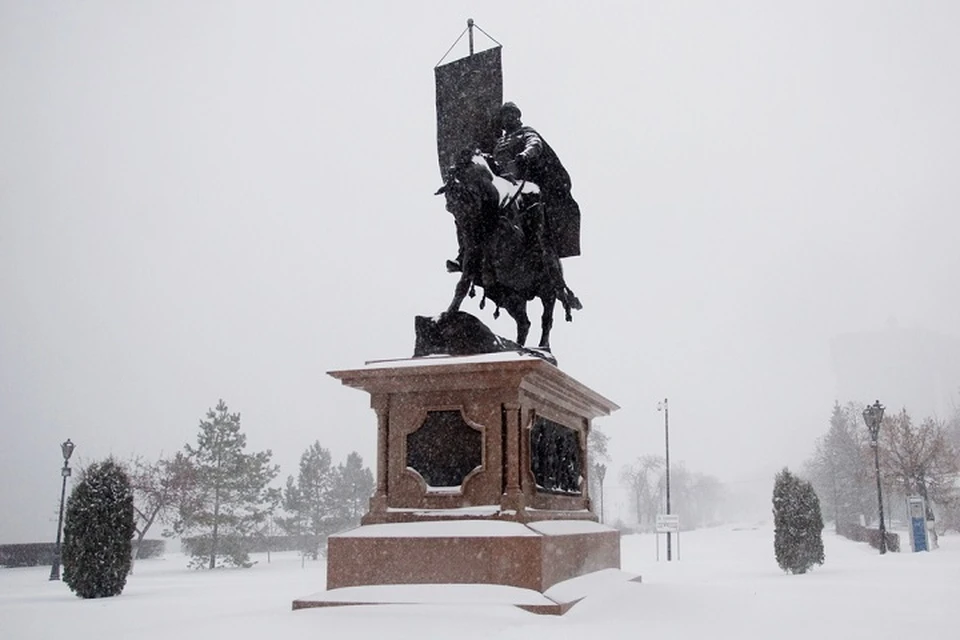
(468, 186)
(454, 191)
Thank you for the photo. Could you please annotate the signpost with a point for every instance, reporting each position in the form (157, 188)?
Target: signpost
(668, 524)
(917, 511)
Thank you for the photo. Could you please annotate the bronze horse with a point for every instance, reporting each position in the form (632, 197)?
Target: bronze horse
(505, 250)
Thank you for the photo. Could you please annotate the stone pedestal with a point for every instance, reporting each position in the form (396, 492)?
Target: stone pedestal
(535, 556)
(482, 476)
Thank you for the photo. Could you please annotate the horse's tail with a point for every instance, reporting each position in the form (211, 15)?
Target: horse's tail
(570, 301)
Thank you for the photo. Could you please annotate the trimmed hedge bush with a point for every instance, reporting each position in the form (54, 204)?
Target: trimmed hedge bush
(98, 532)
(798, 524)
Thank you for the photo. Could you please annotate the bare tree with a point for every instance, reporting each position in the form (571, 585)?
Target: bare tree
(640, 479)
(953, 429)
(920, 460)
(701, 498)
(951, 511)
(158, 488)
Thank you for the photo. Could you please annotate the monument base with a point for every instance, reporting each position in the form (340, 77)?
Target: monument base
(481, 480)
(536, 555)
(463, 594)
(555, 601)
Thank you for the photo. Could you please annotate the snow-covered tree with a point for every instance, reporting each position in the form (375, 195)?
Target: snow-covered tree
(98, 530)
(309, 500)
(352, 487)
(841, 469)
(798, 524)
(295, 522)
(230, 497)
(324, 499)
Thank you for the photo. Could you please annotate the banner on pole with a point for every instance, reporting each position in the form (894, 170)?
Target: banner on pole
(469, 95)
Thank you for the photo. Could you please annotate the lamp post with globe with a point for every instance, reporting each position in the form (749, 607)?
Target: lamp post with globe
(873, 416)
(67, 450)
(601, 470)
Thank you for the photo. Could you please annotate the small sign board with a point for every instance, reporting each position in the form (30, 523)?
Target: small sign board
(917, 510)
(668, 523)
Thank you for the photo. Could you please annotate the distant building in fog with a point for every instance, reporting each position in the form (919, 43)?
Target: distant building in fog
(912, 368)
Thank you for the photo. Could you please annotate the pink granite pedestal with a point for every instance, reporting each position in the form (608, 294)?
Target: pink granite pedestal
(480, 421)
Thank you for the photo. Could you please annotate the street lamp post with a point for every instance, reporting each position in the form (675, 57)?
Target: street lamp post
(873, 416)
(601, 473)
(67, 449)
(663, 406)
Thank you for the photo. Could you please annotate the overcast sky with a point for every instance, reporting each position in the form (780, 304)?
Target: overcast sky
(204, 200)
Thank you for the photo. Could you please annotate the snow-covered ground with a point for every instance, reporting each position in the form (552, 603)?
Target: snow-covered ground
(726, 585)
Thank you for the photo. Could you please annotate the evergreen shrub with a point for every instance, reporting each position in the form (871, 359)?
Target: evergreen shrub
(798, 524)
(98, 532)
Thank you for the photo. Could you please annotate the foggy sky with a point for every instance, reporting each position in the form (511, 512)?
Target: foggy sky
(226, 200)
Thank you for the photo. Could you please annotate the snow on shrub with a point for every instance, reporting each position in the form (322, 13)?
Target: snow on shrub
(798, 524)
(98, 532)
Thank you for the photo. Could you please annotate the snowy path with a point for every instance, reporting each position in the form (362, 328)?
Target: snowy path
(726, 585)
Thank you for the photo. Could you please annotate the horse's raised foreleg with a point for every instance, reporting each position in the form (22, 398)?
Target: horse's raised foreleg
(460, 292)
(546, 320)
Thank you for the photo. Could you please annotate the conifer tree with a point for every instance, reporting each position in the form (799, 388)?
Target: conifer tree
(352, 487)
(315, 485)
(841, 468)
(98, 532)
(798, 524)
(229, 497)
(324, 499)
(295, 523)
